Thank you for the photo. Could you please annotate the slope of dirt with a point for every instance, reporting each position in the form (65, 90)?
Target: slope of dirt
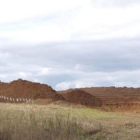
(25, 89)
(123, 107)
(82, 97)
(112, 95)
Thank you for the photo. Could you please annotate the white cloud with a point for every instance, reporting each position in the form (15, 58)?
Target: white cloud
(96, 79)
(75, 20)
(15, 10)
(3, 76)
(114, 3)
(5, 55)
(45, 71)
(101, 23)
(81, 42)
(64, 85)
(24, 74)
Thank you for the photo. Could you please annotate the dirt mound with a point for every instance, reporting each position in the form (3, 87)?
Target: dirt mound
(123, 107)
(82, 97)
(112, 95)
(26, 89)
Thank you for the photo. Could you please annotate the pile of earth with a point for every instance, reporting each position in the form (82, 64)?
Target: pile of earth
(82, 97)
(112, 95)
(26, 89)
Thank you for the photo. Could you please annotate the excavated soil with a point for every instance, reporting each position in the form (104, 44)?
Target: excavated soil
(25, 89)
(122, 107)
(112, 95)
(82, 97)
(114, 98)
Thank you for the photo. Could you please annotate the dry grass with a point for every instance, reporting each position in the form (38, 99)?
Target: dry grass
(64, 122)
(32, 125)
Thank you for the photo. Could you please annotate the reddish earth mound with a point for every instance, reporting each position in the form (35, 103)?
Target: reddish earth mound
(112, 95)
(82, 97)
(125, 107)
(25, 89)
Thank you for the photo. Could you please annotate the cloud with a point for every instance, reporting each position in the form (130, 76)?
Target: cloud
(114, 3)
(45, 71)
(95, 79)
(44, 21)
(71, 44)
(11, 11)
(74, 64)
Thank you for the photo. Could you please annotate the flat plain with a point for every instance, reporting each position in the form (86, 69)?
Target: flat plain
(61, 121)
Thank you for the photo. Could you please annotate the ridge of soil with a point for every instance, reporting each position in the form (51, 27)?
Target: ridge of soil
(82, 97)
(112, 95)
(26, 89)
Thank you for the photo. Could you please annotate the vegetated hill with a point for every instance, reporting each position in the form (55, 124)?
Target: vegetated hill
(82, 97)
(26, 89)
(112, 95)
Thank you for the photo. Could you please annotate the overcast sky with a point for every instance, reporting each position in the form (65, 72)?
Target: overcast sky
(71, 43)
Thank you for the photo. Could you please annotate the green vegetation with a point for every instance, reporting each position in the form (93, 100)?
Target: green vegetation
(63, 122)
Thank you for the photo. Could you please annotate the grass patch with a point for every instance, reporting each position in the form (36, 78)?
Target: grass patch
(22, 125)
(60, 122)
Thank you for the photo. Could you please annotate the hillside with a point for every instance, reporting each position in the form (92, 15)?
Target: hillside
(112, 95)
(26, 89)
(82, 97)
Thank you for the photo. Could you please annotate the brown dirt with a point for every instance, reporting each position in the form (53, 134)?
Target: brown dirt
(112, 95)
(25, 89)
(114, 98)
(43, 94)
(82, 97)
(123, 107)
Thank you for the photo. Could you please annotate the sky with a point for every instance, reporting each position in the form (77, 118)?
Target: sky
(71, 43)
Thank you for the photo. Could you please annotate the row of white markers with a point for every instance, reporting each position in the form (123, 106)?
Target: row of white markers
(15, 99)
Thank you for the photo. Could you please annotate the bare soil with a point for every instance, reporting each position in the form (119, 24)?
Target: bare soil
(110, 98)
(82, 97)
(26, 89)
(114, 98)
